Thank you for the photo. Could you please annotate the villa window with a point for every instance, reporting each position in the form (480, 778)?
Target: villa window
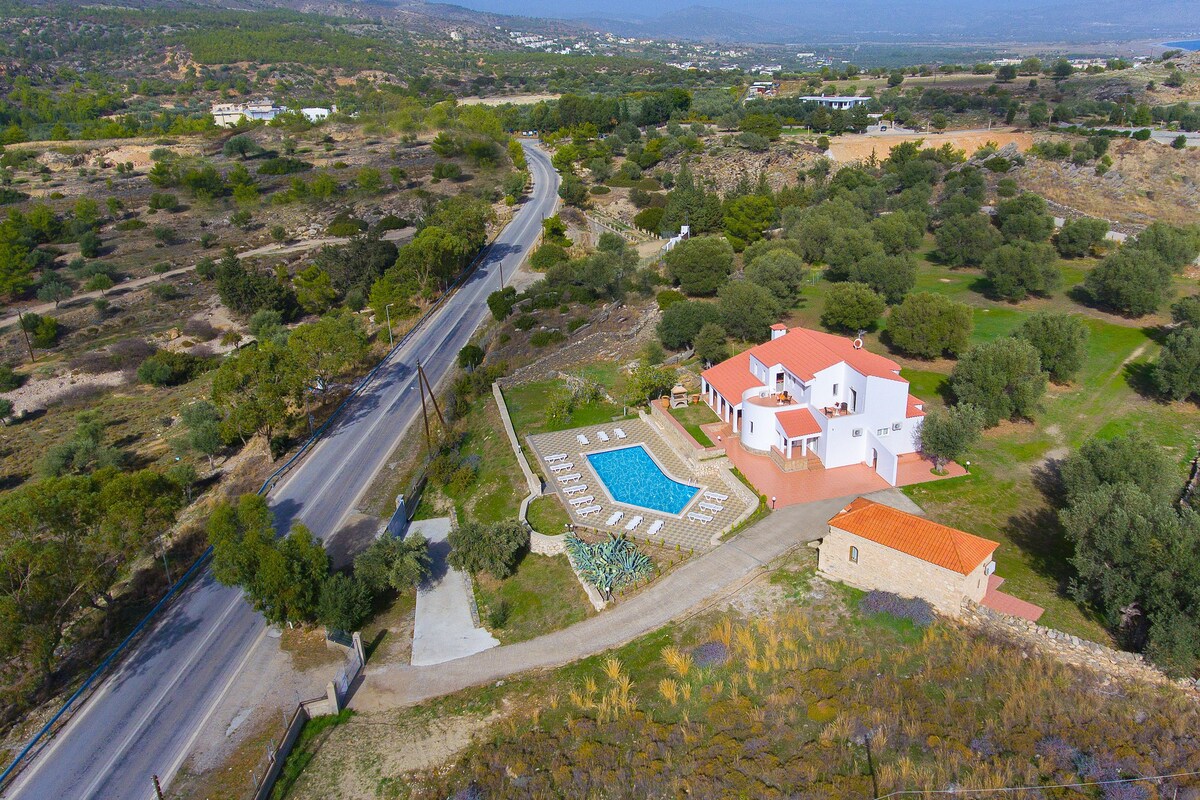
(883, 432)
(835, 390)
(853, 555)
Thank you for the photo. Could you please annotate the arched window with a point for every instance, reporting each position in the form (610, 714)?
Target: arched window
(854, 555)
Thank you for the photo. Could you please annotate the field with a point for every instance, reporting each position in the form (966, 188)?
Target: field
(859, 147)
(771, 697)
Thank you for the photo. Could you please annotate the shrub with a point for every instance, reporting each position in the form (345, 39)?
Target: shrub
(1003, 378)
(501, 302)
(494, 548)
(682, 321)
(10, 380)
(282, 166)
(1077, 236)
(701, 265)
(928, 325)
(547, 256)
(346, 227)
(525, 322)
(345, 603)
(447, 170)
(544, 338)
(851, 307)
(1021, 268)
(650, 219)
(669, 297)
(169, 368)
(1061, 342)
(913, 609)
(1133, 281)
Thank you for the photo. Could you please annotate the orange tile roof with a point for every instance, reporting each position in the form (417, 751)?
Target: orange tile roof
(798, 422)
(918, 537)
(806, 352)
(916, 407)
(732, 377)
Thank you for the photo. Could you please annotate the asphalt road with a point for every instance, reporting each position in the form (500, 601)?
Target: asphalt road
(144, 719)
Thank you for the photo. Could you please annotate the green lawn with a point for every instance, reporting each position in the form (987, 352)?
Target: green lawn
(527, 408)
(692, 417)
(542, 596)
(496, 493)
(547, 515)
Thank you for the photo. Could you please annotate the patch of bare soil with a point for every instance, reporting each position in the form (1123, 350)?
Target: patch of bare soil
(373, 752)
(39, 393)
(860, 147)
(515, 99)
(1148, 182)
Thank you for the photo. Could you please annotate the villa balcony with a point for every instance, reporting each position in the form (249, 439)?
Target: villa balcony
(797, 462)
(773, 400)
(837, 410)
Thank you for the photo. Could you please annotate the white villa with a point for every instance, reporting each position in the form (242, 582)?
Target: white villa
(836, 102)
(226, 115)
(812, 400)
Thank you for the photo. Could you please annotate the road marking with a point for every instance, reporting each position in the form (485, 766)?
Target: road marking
(169, 774)
(104, 773)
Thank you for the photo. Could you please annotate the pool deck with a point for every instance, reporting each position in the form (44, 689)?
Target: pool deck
(676, 529)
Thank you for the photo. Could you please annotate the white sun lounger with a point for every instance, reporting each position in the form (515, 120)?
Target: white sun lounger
(556, 457)
(561, 467)
(620, 433)
(614, 518)
(583, 440)
(713, 507)
(576, 489)
(578, 501)
(703, 519)
(633, 523)
(720, 498)
(602, 436)
(574, 476)
(655, 527)
(583, 512)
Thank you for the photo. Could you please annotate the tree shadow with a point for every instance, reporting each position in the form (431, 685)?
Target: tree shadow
(1140, 377)
(1040, 535)
(1157, 333)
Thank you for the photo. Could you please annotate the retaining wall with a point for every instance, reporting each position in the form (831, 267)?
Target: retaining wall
(1068, 648)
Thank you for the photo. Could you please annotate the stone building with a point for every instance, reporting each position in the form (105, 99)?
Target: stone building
(873, 546)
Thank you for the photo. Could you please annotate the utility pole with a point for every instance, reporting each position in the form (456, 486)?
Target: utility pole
(158, 792)
(388, 311)
(424, 410)
(25, 333)
(432, 396)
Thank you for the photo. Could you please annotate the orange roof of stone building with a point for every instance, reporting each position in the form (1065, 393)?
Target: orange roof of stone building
(921, 538)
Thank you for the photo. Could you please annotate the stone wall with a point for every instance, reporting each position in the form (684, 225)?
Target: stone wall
(678, 437)
(1067, 648)
(889, 570)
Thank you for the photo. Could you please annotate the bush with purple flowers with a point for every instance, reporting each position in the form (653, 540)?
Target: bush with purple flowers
(913, 609)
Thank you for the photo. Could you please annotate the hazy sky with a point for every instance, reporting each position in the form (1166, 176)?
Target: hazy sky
(795, 20)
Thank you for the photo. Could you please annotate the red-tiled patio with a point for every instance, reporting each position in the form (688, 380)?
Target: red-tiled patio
(1007, 604)
(806, 486)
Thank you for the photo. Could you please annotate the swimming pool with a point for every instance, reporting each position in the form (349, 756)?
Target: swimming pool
(634, 478)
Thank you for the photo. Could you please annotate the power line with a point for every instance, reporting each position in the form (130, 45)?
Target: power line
(927, 792)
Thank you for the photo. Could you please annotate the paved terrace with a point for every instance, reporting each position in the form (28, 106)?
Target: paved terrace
(676, 530)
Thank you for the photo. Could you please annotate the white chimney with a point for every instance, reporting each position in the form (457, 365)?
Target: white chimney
(777, 330)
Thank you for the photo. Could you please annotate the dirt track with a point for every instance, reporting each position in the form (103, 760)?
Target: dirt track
(858, 147)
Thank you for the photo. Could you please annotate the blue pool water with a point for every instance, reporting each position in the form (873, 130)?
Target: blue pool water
(633, 477)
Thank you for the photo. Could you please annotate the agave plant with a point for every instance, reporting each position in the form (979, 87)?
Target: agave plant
(608, 564)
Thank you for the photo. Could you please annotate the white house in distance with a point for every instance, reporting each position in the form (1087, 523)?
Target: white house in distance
(812, 400)
(226, 115)
(317, 114)
(836, 102)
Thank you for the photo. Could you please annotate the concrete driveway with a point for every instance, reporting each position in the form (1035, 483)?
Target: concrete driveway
(445, 628)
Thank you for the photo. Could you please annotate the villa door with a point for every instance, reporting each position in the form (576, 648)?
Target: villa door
(853, 401)
(874, 458)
